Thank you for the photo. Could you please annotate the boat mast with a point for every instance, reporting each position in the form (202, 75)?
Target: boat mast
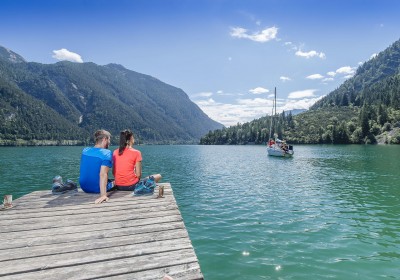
(275, 102)
(272, 115)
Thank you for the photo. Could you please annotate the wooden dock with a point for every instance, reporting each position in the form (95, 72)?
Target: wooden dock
(67, 236)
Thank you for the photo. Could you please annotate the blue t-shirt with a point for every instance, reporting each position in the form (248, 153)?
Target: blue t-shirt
(91, 161)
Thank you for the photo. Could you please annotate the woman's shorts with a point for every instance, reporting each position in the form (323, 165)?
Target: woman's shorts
(132, 187)
(110, 184)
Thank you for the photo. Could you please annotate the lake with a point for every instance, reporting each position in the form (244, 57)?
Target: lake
(331, 211)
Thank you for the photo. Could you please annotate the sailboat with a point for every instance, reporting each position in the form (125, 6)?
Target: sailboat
(275, 146)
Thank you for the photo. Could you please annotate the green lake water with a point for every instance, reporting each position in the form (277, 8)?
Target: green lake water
(330, 212)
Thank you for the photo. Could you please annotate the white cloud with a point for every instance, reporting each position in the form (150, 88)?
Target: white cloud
(258, 90)
(230, 114)
(208, 102)
(256, 102)
(291, 46)
(373, 55)
(64, 54)
(221, 93)
(245, 110)
(310, 54)
(302, 94)
(259, 36)
(304, 103)
(315, 77)
(202, 94)
(283, 78)
(345, 70)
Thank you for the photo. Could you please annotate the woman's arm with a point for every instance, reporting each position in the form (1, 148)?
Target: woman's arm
(138, 169)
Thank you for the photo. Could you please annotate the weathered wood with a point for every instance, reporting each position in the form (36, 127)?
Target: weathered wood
(71, 220)
(15, 213)
(12, 243)
(45, 199)
(79, 214)
(189, 271)
(85, 245)
(111, 267)
(69, 237)
(93, 256)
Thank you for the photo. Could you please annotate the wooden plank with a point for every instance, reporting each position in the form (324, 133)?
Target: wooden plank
(40, 240)
(76, 198)
(93, 256)
(68, 236)
(112, 267)
(84, 218)
(189, 271)
(25, 214)
(68, 246)
(84, 214)
(121, 222)
(15, 214)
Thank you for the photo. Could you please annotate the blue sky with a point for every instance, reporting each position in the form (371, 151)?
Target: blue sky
(227, 55)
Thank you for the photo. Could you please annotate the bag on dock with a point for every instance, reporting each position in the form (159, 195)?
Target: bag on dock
(145, 187)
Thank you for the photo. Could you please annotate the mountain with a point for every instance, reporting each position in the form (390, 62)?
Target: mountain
(69, 101)
(379, 70)
(10, 56)
(364, 109)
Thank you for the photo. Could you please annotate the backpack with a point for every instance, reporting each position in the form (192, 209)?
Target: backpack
(59, 187)
(145, 187)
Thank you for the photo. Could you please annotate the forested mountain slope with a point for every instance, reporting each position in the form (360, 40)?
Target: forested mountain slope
(69, 101)
(375, 81)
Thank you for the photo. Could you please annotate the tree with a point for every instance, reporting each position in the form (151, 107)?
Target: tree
(382, 115)
(341, 136)
(345, 100)
(364, 121)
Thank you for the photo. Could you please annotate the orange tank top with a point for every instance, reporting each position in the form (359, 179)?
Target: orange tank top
(124, 166)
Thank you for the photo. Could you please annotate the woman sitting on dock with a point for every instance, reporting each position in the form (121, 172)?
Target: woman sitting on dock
(127, 164)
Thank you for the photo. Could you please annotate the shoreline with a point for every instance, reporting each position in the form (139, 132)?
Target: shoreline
(22, 142)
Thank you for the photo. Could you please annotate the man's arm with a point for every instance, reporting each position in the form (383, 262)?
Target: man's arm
(103, 184)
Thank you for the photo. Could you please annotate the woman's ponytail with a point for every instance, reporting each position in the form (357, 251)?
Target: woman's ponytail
(124, 139)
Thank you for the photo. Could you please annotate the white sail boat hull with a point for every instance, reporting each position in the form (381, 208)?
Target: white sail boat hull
(278, 152)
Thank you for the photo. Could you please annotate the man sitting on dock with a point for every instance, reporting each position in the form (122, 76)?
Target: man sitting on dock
(95, 163)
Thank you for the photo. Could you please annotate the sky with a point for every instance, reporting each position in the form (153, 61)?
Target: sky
(226, 55)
